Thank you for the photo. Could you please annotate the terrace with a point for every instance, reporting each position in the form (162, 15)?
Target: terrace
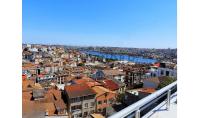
(160, 104)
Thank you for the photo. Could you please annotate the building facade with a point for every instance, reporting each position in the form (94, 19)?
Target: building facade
(80, 99)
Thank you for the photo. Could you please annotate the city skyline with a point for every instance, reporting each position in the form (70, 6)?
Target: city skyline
(136, 24)
(54, 44)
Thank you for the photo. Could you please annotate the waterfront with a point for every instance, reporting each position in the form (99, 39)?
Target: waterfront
(121, 57)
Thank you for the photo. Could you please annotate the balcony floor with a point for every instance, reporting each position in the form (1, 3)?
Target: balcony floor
(161, 112)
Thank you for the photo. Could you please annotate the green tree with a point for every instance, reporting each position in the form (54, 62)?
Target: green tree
(120, 97)
(81, 64)
(164, 81)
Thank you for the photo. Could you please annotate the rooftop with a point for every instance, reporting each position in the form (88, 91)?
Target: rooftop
(78, 90)
(113, 72)
(53, 95)
(49, 106)
(148, 90)
(83, 80)
(110, 84)
(88, 81)
(92, 84)
(38, 93)
(95, 115)
(27, 84)
(30, 108)
(101, 90)
(119, 83)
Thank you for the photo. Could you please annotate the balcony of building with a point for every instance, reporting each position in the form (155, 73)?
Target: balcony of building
(160, 104)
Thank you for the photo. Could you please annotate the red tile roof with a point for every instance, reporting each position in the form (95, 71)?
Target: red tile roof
(92, 84)
(53, 95)
(83, 80)
(88, 81)
(110, 85)
(27, 66)
(112, 72)
(27, 84)
(24, 76)
(157, 64)
(79, 90)
(148, 90)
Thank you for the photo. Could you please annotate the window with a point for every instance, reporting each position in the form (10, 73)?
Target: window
(104, 110)
(86, 105)
(85, 114)
(75, 100)
(99, 110)
(162, 72)
(76, 107)
(99, 102)
(92, 104)
(105, 101)
(167, 73)
(92, 111)
(106, 94)
(110, 101)
(88, 97)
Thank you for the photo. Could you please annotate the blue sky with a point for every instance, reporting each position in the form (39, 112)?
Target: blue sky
(122, 23)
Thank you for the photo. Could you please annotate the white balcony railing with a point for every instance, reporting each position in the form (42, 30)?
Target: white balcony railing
(134, 109)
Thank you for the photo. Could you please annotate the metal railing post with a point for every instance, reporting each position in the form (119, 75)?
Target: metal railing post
(133, 108)
(137, 114)
(168, 99)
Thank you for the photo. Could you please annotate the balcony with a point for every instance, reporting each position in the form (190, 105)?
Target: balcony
(161, 110)
(161, 104)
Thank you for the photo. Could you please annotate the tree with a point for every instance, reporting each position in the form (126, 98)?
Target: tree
(164, 81)
(81, 64)
(120, 97)
(110, 60)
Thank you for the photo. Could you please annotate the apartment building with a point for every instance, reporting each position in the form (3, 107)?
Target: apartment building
(114, 74)
(80, 99)
(134, 75)
(104, 99)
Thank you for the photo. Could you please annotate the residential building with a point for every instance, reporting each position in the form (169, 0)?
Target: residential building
(80, 99)
(134, 76)
(111, 85)
(104, 99)
(115, 74)
(162, 69)
(121, 85)
(132, 96)
(59, 108)
(98, 75)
